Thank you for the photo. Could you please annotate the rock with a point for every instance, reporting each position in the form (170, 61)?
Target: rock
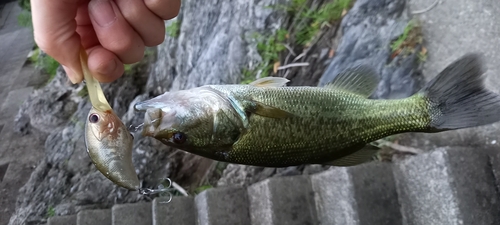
(214, 43)
(50, 107)
(368, 30)
(213, 46)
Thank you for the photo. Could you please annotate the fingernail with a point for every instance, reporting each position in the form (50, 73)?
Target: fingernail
(108, 68)
(71, 75)
(102, 12)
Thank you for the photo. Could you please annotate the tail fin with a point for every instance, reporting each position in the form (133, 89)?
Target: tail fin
(458, 97)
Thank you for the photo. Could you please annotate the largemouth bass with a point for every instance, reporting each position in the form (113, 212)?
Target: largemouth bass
(269, 124)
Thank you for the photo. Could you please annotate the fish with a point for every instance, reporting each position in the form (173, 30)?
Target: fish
(108, 141)
(266, 123)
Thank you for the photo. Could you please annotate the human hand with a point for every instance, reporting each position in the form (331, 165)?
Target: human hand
(113, 32)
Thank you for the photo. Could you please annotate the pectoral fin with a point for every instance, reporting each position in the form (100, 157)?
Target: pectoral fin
(269, 111)
(361, 156)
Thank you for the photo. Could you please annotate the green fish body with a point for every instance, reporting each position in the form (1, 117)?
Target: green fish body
(268, 124)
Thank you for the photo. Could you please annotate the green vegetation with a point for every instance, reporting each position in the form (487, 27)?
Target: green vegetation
(173, 30)
(409, 40)
(49, 65)
(46, 63)
(131, 69)
(128, 68)
(25, 4)
(269, 49)
(51, 212)
(24, 19)
(422, 55)
(404, 37)
(306, 22)
(311, 20)
(84, 92)
(34, 57)
(202, 188)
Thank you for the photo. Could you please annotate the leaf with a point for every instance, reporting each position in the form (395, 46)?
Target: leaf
(423, 51)
(275, 67)
(331, 53)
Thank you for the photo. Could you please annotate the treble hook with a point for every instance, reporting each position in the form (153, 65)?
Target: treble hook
(159, 190)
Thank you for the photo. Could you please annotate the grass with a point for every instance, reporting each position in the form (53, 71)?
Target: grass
(269, 48)
(173, 30)
(84, 92)
(404, 37)
(409, 40)
(24, 19)
(316, 18)
(46, 63)
(131, 69)
(308, 23)
(49, 65)
(51, 212)
(34, 57)
(202, 188)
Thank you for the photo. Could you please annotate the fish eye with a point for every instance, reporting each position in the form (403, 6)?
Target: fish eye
(179, 138)
(94, 118)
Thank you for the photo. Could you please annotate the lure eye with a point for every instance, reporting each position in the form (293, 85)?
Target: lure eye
(179, 138)
(94, 118)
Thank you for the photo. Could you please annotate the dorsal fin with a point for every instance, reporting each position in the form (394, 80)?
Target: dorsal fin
(361, 80)
(363, 155)
(270, 82)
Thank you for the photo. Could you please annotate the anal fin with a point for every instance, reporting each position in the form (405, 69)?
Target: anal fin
(363, 155)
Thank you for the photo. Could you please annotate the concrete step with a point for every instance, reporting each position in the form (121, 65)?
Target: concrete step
(180, 210)
(224, 205)
(364, 194)
(62, 220)
(282, 200)
(94, 217)
(445, 186)
(450, 186)
(11, 104)
(132, 214)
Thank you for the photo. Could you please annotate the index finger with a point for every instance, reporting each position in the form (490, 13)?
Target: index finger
(55, 33)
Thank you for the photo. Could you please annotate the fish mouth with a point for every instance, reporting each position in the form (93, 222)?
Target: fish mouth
(152, 121)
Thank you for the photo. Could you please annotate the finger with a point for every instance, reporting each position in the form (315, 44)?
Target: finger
(165, 9)
(88, 36)
(104, 65)
(150, 27)
(55, 33)
(114, 32)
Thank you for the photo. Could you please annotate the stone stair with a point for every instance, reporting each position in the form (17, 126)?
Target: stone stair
(447, 186)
